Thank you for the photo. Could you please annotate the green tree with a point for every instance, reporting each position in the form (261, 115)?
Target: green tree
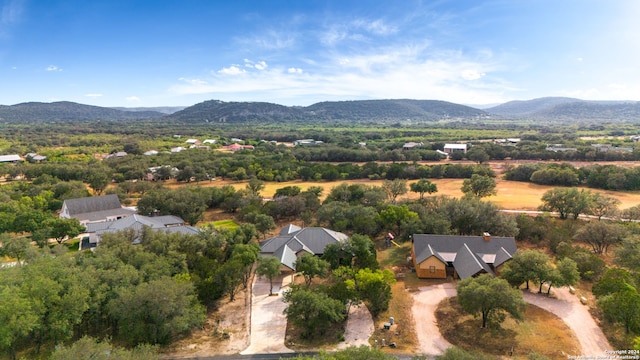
(269, 267)
(14, 247)
(527, 265)
(157, 311)
(374, 288)
(311, 266)
(423, 186)
(59, 228)
(628, 253)
(395, 188)
(264, 223)
(490, 298)
(88, 348)
(566, 202)
(363, 352)
(17, 319)
(254, 186)
(479, 186)
(612, 281)
(98, 179)
(312, 310)
(456, 353)
(247, 254)
(622, 306)
(395, 217)
(565, 274)
(230, 276)
(600, 235)
(603, 205)
(478, 155)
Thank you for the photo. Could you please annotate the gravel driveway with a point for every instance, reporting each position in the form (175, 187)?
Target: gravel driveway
(566, 306)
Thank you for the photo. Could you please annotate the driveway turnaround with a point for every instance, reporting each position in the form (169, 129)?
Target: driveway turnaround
(566, 306)
(268, 322)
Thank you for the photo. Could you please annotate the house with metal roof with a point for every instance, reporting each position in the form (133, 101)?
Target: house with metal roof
(168, 223)
(293, 241)
(440, 256)
(94, 209)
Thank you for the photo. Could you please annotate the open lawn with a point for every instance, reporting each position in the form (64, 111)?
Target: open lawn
(541, 332)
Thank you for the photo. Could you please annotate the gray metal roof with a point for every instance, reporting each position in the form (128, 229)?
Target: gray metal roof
(472, 253)
(92, 204)
(468, 263)
(312, 240)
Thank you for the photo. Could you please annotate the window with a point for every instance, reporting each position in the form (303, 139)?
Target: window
(432, 269)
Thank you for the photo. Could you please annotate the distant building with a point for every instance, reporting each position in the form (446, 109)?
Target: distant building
(452, 148)
(559, 148)
(303, 142)
(412, 145)
(151, 152)
(10, 158)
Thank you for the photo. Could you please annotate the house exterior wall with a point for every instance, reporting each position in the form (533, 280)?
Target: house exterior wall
(431, 268)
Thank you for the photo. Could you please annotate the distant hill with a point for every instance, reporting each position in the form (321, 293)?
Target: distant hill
(361, 110)
(569, 109)
(161, 109)
(68, 111)
(549, 109)
(528, 107)
(220, 111)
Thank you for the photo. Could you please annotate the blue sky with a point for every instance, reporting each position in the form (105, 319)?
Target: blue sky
(298, 52)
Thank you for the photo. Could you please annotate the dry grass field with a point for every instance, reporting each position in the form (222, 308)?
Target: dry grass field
(511, 195)
(540, 332)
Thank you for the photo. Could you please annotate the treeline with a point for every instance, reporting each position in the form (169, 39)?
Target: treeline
(606, 177)
(148, 293)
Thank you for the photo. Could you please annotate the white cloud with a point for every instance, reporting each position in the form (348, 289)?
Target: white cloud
(471, 74)
(232, 70)
(53, 68)
(93, 95)
(261, 65)
(132, 99)
(293, 70)
(377, 27)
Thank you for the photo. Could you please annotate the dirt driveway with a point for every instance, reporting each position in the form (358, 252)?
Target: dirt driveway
(566, 306)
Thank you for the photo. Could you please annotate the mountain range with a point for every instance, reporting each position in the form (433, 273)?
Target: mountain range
(549, 109)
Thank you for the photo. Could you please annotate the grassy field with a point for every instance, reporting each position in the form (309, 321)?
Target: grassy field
(512, 195)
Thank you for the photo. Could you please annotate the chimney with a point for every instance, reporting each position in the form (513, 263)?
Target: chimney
(486, 236)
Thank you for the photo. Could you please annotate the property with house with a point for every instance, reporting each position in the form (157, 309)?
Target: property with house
(137, 223)
(293, 241)
(456, 256)
(452, 148)
(94, 209)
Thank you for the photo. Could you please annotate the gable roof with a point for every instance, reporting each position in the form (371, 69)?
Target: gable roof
(469, 255)
(169, 224)
(94, 208)
(92, 204)
(293, 239)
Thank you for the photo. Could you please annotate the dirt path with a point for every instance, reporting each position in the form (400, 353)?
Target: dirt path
(268, 323)
(566, 306)
(425, 302)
